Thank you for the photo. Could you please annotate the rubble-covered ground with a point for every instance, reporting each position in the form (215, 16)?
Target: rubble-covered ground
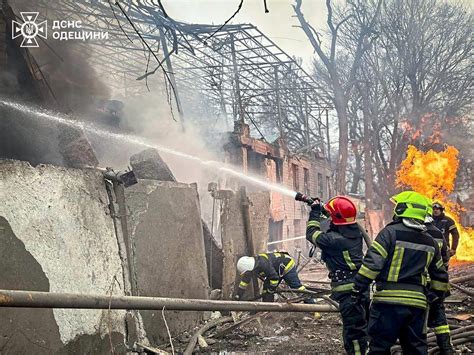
(307, 333)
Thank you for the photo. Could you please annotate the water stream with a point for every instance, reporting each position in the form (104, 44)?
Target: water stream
(90, 127)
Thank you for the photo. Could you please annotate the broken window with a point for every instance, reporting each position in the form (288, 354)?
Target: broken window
(279, 170)
(256, 163)
(306, 182)
(275, 230)
(320, 185)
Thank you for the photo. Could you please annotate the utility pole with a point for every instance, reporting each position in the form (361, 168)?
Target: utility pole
(236, 80)
(169, 68)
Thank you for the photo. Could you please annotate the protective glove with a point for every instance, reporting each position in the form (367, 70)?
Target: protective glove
(271, 289)
(316, 206)
(451, 252)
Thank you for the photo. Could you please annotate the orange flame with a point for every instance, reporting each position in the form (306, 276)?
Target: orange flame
(427, 130)
(433, 174)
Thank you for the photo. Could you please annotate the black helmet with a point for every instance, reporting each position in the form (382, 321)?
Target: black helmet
(438, 206)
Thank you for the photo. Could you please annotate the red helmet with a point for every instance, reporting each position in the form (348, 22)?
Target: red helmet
(342, 210)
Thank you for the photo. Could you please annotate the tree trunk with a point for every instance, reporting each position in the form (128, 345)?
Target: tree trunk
(357, 172)
(340, 104)
(368, 173)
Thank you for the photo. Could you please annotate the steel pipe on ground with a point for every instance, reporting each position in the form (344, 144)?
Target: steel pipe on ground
(36, 299)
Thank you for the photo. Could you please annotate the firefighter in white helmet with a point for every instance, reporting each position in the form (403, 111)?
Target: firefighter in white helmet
(271, 268)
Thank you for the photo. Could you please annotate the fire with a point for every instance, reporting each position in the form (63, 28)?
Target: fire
(427, 131)
(433, 174)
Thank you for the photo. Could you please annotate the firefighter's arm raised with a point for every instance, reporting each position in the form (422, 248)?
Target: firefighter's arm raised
(313, 229)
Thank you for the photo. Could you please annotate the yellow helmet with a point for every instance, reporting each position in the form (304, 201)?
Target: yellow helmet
(411, 204)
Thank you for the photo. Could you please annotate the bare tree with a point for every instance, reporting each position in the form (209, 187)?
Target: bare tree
(416, 79)
(363, 14)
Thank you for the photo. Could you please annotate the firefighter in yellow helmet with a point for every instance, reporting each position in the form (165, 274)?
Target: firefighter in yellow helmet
(400, 260)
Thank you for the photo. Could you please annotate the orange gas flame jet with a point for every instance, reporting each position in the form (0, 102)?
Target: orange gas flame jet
(433, 174)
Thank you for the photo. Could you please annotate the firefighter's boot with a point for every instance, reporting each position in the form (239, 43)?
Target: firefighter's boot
(444, 344)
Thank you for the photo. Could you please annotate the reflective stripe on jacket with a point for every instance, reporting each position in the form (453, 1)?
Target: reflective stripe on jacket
(447, 226)
(269, 266)
(400, 260)
(341, 248)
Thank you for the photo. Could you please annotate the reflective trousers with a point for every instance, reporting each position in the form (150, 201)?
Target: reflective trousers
(437, 321)
(389, 322)
(354, 322)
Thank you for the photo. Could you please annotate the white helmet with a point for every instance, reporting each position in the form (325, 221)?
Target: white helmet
(245, 263)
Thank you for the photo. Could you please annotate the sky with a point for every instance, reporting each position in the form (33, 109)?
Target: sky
(278, 24)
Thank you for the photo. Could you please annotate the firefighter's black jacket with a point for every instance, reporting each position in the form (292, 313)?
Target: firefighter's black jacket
(270, 267)
(341, 248)
(447, 226)
(400, 260)
(439, 238)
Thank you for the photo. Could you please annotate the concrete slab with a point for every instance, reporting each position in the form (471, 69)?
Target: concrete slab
(35, 327)
(234, 243)
(166, 233)
(259, 219)
(148, 164)
(61, 217)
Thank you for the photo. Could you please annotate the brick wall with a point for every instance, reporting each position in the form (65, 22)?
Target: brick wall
(304, 174)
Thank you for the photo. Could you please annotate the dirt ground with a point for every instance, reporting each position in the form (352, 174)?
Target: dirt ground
(306, 333)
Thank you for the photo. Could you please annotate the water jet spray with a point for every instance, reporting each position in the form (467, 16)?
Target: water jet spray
(140, 141)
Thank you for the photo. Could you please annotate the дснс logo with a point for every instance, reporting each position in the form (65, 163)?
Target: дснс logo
(29, 29)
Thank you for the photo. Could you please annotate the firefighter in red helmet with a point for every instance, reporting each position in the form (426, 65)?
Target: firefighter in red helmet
(341, 248)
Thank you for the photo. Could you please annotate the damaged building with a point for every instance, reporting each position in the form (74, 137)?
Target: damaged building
(70, 225)
(309, 174)
(132, 184)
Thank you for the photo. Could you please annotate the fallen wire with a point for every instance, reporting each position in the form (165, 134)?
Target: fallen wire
(265, 5)
(226, 22)
(167, 329)
(160, 62)
(168, 99)
(162, 9)
(146, 71)
(118, 22)
(109, 320)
